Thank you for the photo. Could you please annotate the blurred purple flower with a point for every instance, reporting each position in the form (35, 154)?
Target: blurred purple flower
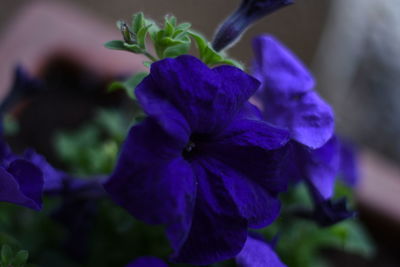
(23, 86)
(290, 102)
(248, 12)
(348, 166)
(21, 182)
(258, 253)
(147, 261)
(202, 162)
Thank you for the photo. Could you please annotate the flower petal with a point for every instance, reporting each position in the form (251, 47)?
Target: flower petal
(218, 231)
(254, 149)
(322, 168)
(348, 163)
(206, 98)
(254, 133)
(257, 253)
(53, 178)
(22, 184)
(279, 70)
(250, 193)
(151, 180)
(287, 94)
(312, 121)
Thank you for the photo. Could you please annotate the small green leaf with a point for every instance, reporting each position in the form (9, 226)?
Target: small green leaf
(174, 51)
(6, 254)
(133, 48)
(138, 22)
(201, 42)
(21, 258)
(128, 85)
(10, 125)
(232, 62)
(147, 64)
(168, 28)
(153, 30)
(171, 20)
(141, 36)
(115, 45)
(184, 26)
(168, 41)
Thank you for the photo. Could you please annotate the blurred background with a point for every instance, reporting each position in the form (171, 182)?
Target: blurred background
(352, 47)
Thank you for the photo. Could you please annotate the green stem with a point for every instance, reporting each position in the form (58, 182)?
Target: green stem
(150, 56)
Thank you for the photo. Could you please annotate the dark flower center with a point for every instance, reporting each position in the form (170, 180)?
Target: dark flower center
(192, 148)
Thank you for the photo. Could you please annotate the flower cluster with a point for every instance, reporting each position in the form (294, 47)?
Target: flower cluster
(208, 164)
(211, 150)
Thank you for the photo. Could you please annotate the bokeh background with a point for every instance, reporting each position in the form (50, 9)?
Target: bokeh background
(352, 47)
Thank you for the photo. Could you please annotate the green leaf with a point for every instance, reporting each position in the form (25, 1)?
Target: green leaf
(154, 29)
(147, 64)
(208, 55)
(353, 238)
(21, 258)
(10, 125)
(232, 62)
(201, 42)
(116, 45)
(133, 48)
(174, 51)
(6, 254)
(141, 36)
(168, 28)
(168, 41)
(138, 22)
(184, 26)
(171, 20)
(128, 85)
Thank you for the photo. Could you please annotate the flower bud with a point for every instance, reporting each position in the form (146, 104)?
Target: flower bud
(248, 12)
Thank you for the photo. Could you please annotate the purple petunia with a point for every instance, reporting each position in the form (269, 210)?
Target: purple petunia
(202, 163)
(316, 155)
(21, 181)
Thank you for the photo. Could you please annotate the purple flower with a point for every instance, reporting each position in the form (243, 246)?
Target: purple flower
(23, 86)
(248, 12)
(258, 253)
(21, 182)
(348, 166)
(288, 95)
(202, 163)
(147, 261)
(290, 102)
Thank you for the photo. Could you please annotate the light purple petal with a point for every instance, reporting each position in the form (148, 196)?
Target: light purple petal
(257, 253)
(151, 180)
(322, 167)
(218, 231)
(287, 94)
(279, 70)
(348, 163)
(312, 123)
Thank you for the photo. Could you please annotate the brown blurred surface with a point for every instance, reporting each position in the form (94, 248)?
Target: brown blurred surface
(299, 26)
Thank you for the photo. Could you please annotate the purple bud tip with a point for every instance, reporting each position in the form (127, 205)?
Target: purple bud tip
(248, 12)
